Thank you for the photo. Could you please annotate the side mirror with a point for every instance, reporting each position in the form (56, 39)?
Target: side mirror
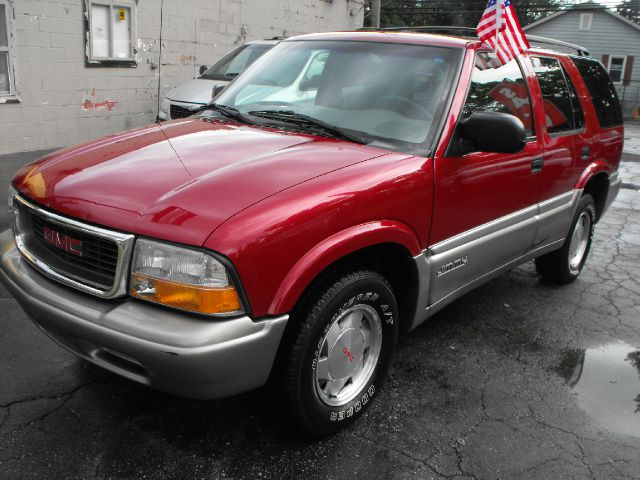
(203, 68)
(492, 132)
(216, 91)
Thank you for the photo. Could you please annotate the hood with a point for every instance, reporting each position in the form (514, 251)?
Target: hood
(181, 180)
(197, 90)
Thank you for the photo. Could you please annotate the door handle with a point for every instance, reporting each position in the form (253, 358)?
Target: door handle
(585, 153)
(537, 164)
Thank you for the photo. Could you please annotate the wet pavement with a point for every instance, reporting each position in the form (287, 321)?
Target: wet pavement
(632, 138)
(606, 381)
(518, 379)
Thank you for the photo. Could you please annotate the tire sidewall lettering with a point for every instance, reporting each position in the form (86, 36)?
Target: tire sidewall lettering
(339, 415)
(382, 301)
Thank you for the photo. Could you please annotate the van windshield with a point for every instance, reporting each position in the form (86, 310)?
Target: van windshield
(391, 95)
(236, 62)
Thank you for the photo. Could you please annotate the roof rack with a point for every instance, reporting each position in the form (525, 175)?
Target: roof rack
(471, 32)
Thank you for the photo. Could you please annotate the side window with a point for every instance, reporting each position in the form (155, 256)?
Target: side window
(311, 78)
(498, 88)
(558, 107)
(603, 94)
(578, 114)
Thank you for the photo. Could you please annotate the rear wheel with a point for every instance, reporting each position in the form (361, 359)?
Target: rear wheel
(564, 265)
(338, 353)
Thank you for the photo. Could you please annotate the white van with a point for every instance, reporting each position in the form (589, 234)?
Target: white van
(181, 101)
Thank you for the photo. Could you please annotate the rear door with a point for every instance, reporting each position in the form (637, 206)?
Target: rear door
(484, 203)
(566, 146)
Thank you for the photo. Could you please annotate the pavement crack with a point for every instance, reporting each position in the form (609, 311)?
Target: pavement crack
(583, 460)
(63, 397)
(47, 397)
(424, 463)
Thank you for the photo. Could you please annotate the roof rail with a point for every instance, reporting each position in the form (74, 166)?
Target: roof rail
(424, 29)
(471, 32)
(582, 52)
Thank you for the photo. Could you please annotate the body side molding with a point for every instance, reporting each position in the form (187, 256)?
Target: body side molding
(544, 224)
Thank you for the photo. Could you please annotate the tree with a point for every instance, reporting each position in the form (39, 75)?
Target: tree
(466, 13)
(630, 9)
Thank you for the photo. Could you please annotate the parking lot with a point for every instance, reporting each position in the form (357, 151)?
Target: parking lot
(518, 379)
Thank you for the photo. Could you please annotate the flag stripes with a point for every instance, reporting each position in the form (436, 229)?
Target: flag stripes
(499, 27)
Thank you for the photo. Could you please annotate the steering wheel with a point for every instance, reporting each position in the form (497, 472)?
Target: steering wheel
(405, 101)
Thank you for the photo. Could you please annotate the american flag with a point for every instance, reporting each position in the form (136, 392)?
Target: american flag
(499, 27)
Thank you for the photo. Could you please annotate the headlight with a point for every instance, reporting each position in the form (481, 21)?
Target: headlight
(182, 278)
(164, 105)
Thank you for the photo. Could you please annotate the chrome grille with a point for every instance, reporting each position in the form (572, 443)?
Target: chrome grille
(100, 268)
(99, 257)
(176, 111)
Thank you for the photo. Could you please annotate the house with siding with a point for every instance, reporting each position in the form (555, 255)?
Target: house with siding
(608, 36)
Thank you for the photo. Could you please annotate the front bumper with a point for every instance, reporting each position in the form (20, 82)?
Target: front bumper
(172, 351)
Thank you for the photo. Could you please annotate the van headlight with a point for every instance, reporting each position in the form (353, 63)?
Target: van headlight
(182, 278)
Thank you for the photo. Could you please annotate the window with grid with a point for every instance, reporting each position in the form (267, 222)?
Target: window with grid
(617, 64)
(6, 67)
(111, 31)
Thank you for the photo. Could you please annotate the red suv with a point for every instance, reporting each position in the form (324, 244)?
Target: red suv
(344, 188)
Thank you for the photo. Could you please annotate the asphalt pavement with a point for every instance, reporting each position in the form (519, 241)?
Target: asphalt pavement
(518, 379)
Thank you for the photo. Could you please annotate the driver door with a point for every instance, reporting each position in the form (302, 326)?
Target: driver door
(484, 203)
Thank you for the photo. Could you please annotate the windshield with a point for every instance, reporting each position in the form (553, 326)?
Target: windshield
(236, 62)
(389, 94)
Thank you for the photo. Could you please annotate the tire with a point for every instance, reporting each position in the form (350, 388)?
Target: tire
(336, 356)
(564, 265)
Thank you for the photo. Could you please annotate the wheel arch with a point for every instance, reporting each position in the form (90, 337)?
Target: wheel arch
(595, 182)
(386, 247)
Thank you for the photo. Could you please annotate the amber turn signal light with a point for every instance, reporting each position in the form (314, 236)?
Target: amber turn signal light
(199, 299)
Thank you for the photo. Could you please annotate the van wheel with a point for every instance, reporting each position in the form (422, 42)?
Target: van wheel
(338, 354)
(564, 265)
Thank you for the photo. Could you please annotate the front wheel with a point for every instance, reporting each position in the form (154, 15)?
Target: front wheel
(338, 352)
(564, 265)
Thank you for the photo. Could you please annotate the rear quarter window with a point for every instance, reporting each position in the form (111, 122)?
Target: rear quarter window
(603, 94)
(561, 104)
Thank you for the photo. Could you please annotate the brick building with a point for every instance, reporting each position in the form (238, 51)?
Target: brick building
(72, 70)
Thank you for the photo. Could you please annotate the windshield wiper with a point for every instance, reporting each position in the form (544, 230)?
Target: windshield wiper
(298, 118)
(227, 111)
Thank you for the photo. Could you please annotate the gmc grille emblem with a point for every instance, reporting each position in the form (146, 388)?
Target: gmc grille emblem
(62, 241)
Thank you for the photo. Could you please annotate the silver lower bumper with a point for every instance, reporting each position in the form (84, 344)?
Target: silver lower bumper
(615, 182)
(172, 351)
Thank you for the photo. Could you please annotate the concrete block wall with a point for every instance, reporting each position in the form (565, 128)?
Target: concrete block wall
(64, 102)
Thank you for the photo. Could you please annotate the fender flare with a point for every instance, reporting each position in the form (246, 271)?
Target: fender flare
(594, 168)
(333, 249)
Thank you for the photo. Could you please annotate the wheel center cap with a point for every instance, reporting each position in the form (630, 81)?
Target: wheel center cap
(346, 354)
